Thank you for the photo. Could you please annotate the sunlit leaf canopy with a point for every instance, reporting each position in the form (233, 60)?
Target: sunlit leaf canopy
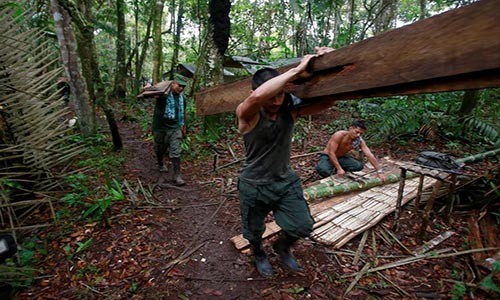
(269, 30)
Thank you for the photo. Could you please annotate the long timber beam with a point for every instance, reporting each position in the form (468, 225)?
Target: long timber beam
(456, 50)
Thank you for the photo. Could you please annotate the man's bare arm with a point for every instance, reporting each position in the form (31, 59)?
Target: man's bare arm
(248, 111)
(332, 147)
(371, 158)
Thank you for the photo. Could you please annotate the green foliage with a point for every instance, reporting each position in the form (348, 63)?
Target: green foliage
(341, 123)
(488, 283)
(479, 127)
(83, 246)
(296, 290)
(21, 274)
(100, 156)
(101, 205)
(70, 253)
(15, 276)
(301, 129)
(79, 186)
(458, 291)
(85, 193)
(426, 117)
(88, 269)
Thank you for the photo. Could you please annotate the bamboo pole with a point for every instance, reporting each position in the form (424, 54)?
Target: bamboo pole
(325, 189)
(480, 156)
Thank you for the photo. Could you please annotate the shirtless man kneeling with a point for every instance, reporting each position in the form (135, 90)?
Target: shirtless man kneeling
(335, 158)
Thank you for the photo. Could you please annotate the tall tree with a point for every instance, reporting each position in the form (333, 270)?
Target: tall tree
(81, 17)
(423, 9)
(469, 102)
(177, 36)
(157, 40)
(120, 86)
(141, 46)
(72, 66)
(218, 36)
(386, 15)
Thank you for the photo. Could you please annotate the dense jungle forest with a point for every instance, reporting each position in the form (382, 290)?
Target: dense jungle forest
(86, 214)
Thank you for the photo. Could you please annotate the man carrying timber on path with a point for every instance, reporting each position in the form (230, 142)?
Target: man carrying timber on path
(168, 122)
(335, 158)
(267, 182)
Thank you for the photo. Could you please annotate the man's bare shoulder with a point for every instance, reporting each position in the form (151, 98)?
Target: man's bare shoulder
(339, 134)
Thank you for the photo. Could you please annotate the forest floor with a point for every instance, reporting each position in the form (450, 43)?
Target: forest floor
(168, 242)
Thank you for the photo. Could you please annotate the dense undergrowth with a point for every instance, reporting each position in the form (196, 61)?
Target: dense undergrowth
(94, 190)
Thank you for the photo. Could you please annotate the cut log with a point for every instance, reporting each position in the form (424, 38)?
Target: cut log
(456, 50)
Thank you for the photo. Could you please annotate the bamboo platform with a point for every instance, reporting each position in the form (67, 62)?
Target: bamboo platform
(342, 222)
(341, 218)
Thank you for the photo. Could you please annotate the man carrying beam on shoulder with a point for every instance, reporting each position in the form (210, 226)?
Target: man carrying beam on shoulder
(267, 182)
(168, 123)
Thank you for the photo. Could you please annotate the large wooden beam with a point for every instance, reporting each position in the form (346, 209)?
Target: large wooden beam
(456, 50)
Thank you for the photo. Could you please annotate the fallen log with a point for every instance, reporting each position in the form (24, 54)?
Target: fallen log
(456, 50)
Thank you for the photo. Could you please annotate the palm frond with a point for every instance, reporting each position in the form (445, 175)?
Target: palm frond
(482, 128)
(35, 143)
(394, 122)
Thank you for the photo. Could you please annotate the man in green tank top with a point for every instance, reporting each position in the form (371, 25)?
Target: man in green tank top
(267, 182)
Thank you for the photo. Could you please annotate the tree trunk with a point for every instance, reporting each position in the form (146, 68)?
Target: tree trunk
(88, 53)
(352, 9)
(71, 62)
(177, 37)
(385, 16)
(157, 41)
(120, 85)
(469, 102)
(143, 50)
(423, 9)
(211, 57)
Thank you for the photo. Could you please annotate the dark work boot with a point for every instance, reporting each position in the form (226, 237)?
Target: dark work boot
(282, 248)
(161, 166)
(176, 162)
(261, 262)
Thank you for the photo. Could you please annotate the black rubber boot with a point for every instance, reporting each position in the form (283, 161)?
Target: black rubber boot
(261, 262)
(161, 166)
(176, 162)
(282, 248)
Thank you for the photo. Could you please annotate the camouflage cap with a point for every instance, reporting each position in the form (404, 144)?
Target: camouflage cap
(181, 80)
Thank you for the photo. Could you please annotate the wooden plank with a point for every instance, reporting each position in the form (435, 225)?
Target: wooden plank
(475, 239)
(456, 50)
